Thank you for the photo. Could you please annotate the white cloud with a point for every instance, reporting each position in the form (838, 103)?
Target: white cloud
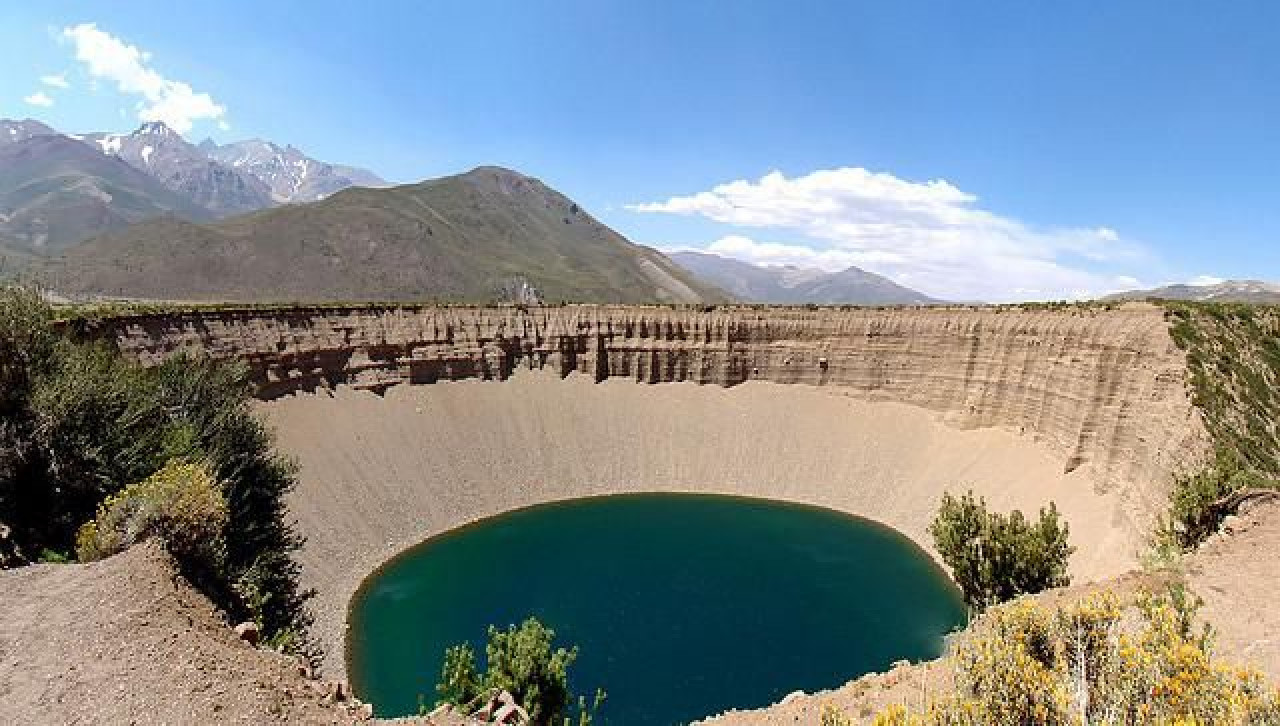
(39, 98)
(56, 80)
(224, 126)
(932, 233)
(173, 102)
(1204, 280)
(772, 253)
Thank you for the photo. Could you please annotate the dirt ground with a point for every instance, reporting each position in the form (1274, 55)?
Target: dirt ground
(126, 641)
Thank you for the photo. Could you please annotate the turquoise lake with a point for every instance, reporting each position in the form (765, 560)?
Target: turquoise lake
(682, 605)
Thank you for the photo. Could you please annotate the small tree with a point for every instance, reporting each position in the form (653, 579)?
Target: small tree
(521, 661)
(996, 557)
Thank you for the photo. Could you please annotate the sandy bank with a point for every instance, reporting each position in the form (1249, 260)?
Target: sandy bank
(379, 474)
(127, 641)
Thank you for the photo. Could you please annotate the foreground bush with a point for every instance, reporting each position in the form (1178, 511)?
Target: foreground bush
(996, 557)
(522, 662)
(181, 505)
(78, 423)
(1088, 664)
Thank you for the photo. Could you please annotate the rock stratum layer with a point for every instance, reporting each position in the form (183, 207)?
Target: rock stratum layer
(1086, 407)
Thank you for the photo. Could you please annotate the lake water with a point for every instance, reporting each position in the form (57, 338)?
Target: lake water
(682, 605)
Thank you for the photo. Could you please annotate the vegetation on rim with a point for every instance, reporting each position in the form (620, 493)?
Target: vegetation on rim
(79, 425)
(1233, 359)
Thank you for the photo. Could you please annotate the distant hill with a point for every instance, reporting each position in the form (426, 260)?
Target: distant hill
(488, 234)
(56, 192)
(11, 132)
(1251, 291)
(783, 285)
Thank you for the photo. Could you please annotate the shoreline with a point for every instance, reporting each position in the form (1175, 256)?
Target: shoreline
(939, 567)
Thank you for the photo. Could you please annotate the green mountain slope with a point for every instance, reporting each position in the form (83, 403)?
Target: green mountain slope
(488, 234)
(56, 192)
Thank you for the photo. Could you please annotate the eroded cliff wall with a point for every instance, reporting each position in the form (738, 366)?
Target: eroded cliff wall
(1085, 407)
(1105, 388)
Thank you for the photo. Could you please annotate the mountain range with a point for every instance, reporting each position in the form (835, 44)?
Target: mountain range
(1249, 291)
(54, 193)
(290, 176)
(148, 214)
(796, 285)
(157, 150)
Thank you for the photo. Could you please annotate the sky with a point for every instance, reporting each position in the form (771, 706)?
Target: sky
(974, 151)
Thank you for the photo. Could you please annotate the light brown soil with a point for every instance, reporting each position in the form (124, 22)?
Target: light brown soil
(125, 641)
(1238, 576)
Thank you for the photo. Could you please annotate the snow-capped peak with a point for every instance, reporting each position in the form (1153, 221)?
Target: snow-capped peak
(292, 175)
(154, 128)
(111, 144)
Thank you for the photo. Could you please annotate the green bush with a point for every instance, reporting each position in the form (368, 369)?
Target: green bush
(1194, 509)
(996, 557)
(181, 505)
(1233, 362)
(521, 661)
(78, 423)
(95, 429)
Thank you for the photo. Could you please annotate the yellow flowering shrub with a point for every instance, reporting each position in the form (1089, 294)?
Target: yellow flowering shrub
(181, 504)
(1089, 663)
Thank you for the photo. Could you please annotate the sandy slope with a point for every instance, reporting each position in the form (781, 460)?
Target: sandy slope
(379, 474)
(125, 641)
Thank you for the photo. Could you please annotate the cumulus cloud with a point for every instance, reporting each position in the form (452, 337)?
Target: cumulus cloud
(1204, 280)
(931, 233)
(109, 58)
(56, 80)
(39, 98)
(773, 253)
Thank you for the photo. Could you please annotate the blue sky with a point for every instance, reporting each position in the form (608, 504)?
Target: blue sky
(993, 150)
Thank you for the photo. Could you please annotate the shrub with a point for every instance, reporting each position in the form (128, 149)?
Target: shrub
(1233, 362)
(181, 505)
(1024, 664)
(1194, 510)
(521, 661)
(25, 343)
(25, 348)
(96, 429)
(995, 557)
(78, 422)
(207, 412)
